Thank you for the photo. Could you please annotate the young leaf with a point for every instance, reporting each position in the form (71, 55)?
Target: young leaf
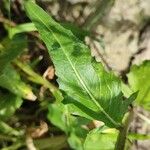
(85, 82)
(138, 79)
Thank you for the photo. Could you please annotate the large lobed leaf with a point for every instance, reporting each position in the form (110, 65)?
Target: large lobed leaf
(138, 79)
(87, 83)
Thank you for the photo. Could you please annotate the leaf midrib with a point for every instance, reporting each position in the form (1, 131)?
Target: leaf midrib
(77, 74)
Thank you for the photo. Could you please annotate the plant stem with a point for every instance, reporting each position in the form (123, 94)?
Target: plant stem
(123, 131)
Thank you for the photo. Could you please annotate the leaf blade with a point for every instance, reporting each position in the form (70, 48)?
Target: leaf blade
(138, 79)
(72, 60)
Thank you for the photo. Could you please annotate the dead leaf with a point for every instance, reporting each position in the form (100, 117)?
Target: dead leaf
(49, 73)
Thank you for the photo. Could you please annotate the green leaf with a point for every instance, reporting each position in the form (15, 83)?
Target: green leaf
(79, 109)
(75, 142)
(78, 32)
(86, 82)
(101, 139)
(11, 49)
(60, 116)
(138, 79)
(10, 80)
(28, 27)
(126, 89)
(8, 105)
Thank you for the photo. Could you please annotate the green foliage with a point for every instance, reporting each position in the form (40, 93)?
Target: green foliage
(34, 77)
(86, 82)
(6, 129)
(26, 27)
(10, 49)
(9, 78)
(60, 116)
(138, 79)
(87, 92)
(8, 105)
(101, 139)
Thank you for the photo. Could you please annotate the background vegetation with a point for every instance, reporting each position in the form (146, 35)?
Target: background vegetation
(31, 115)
